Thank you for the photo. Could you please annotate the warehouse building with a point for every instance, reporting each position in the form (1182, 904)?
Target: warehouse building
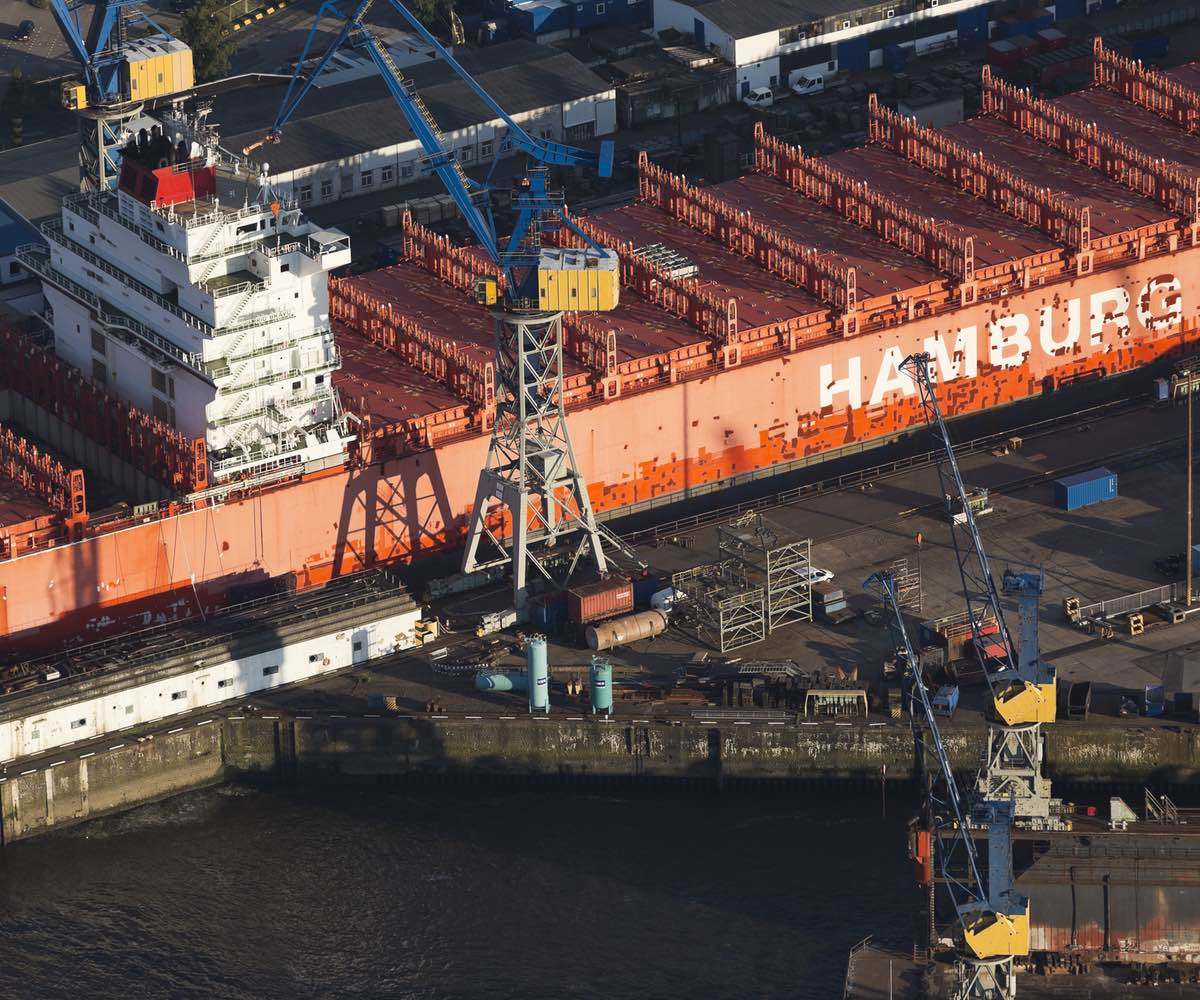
(350, 138)
(772, 42)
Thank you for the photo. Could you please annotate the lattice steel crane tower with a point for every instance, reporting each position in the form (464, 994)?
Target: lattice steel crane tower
(1024, 688)
(531, 479)
(992, 915)
(127, 60)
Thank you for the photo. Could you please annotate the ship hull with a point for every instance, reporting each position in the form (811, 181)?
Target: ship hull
(643, 445)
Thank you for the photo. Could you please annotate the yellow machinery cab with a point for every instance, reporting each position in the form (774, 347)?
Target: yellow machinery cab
(998, 935)
(1023, 702)
(578, 281)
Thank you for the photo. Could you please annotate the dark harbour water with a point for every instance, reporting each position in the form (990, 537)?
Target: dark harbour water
(456, 892)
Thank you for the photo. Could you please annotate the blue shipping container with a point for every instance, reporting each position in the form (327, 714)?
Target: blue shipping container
(645, 588)
(854, 55)
(895, 57)
(1085, 488)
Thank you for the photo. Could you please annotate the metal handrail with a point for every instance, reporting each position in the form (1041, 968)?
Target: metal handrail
(53, 230)
(37, 258)
(98, 203)
(854, 953)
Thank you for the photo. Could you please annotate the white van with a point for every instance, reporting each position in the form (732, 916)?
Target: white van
(759, 97)
(804, 85)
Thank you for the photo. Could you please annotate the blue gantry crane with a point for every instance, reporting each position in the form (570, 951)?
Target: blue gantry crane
(993, 916)
(127, 61)
(531, 471)
(520, 257)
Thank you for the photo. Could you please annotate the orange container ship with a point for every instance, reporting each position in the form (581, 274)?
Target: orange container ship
(762, 321)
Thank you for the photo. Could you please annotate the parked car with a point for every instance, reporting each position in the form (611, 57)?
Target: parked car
(814, 574)
(804, 85)
(24, 31)
(759, 97)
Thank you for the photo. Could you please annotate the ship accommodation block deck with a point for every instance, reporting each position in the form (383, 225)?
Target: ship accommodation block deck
(1024, 250)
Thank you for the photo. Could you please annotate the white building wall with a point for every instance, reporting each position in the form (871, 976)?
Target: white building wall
(681, 17)
(759, 74)
(753, 50)
(206, 686)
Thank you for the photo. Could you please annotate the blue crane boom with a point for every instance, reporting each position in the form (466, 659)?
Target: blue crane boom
(535, 206)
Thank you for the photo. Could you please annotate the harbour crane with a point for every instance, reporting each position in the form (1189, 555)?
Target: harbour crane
(127, 61)
(1023, 690)
(531, 479)
(993, 916)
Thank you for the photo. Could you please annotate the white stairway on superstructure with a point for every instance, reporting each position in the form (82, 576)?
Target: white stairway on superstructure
(212, 316)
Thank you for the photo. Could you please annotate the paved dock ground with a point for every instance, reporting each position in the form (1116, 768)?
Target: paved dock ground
(1093, 553)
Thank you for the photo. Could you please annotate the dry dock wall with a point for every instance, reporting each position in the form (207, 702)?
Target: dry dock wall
(110, 781)
(143, 771)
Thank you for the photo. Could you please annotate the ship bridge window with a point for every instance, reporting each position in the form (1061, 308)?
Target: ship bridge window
(268, 671)
(249, 228)
(285, 267)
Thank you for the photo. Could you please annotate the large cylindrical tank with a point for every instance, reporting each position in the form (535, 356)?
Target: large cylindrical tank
(600, 684)
(538, 671)
(493, 680)
(619, 631)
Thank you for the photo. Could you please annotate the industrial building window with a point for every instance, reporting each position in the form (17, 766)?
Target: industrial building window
(467, 154)
(845, 24)
(305, 194)
(268, 671)
(599, 8)
(366, 178)
(406, 171)
(99, 372)
(547, 133)
(387, 175)
(158, 380)
(327, 188)
(79, 723)
(160, 409)
(485, 149)
(227, 682)
(891, 12)
(178, 695)
(98, 342)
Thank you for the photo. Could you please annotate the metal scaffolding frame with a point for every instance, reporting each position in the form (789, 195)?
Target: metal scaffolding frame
(783, 567)
(908, 584)
(720, 606)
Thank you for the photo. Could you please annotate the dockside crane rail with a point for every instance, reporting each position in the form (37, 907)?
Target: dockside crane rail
(1023, 691)
(994, 917)
(537, 208)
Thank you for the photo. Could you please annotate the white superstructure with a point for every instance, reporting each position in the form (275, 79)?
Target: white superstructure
(213, 316)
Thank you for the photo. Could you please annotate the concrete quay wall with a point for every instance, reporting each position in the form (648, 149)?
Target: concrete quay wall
(122, 776)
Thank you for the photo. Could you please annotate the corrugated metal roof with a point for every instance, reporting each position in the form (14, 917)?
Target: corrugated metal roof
(359, 117)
